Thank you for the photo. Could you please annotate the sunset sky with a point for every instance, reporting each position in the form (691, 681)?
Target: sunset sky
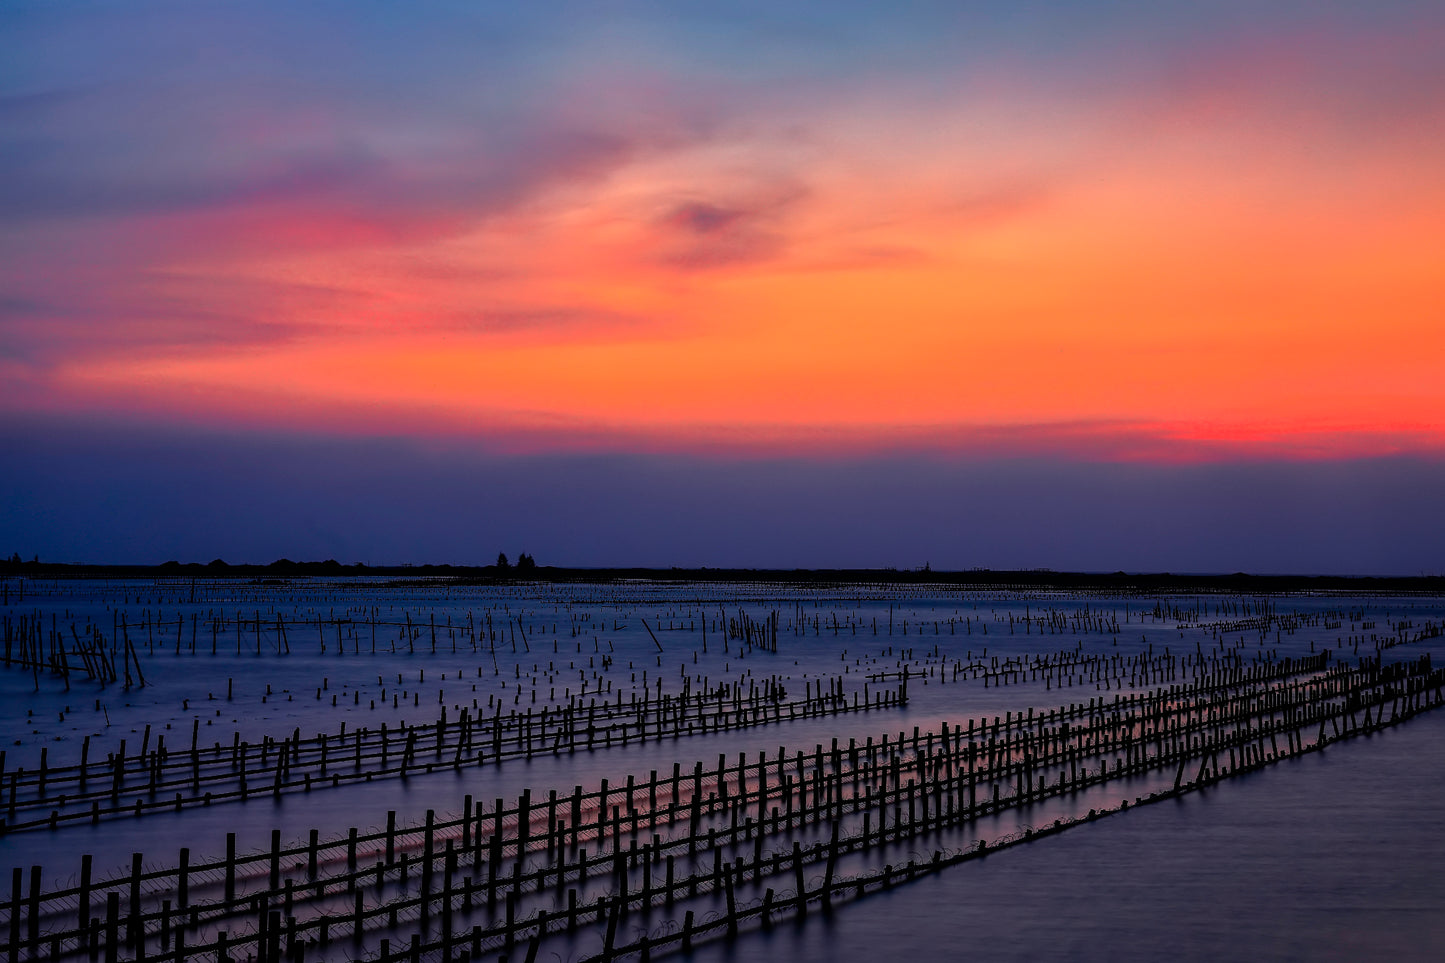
(1114, 285)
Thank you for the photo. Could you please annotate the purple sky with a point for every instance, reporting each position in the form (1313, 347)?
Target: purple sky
(120, 493)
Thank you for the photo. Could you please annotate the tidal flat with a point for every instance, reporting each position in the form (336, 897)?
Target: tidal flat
(442, 768)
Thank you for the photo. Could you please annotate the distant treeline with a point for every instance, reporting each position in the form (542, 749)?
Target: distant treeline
(1156, 582)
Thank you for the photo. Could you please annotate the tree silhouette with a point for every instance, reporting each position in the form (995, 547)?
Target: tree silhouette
(502, 560)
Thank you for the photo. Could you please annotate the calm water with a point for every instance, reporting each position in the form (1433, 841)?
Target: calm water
(1334, 856)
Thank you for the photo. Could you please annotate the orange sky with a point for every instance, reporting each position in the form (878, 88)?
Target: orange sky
(1221, 302)
(1229, 263)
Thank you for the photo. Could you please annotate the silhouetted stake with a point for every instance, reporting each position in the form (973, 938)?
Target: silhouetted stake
(230, 867)
(832, 863)
(798, 879)
(134, 932)
(112, 926)
(653, 637)
(17, 881)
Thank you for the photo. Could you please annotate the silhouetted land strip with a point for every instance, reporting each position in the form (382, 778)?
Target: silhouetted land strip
(1161, 582)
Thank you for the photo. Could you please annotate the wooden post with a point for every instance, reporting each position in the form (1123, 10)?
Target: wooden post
(134, 933)
(112, 926)
(230, 867)
(610, 938)
(17, 884)
(798, 879)
(83, 901)
(828, 873)
(427, 852)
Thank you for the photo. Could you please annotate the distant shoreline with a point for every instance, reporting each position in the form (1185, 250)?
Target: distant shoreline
(1238, 582)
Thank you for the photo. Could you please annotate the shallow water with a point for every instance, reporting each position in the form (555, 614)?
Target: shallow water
(1332, 856)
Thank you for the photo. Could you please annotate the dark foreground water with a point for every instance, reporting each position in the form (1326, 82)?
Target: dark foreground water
(1336, 856)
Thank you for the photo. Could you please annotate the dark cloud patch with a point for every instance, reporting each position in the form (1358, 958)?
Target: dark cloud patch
(703, 219)
(698, 234)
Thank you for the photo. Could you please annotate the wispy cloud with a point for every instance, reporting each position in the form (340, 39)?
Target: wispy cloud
(680, 226)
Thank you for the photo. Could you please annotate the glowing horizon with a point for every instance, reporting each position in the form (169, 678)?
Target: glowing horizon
(1181, 238)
